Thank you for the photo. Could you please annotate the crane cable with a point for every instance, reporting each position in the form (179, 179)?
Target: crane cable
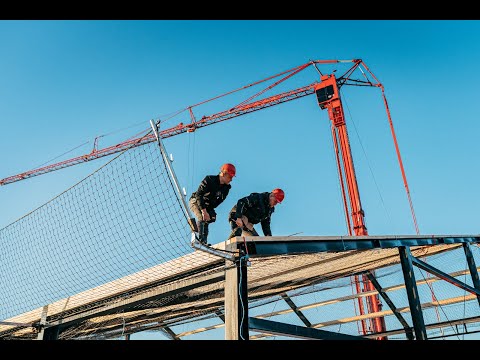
(400, 160)
(368, 164)
(434, 298)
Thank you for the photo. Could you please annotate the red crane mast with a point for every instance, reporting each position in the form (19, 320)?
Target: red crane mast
(328, 97)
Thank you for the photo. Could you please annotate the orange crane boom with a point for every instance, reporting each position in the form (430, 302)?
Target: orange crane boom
(242, 109)
(176, 130)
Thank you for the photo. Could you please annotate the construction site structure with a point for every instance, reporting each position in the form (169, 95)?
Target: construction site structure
(327, 92)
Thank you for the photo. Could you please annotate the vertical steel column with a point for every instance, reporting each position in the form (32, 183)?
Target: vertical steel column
(412, 293)
(472, 267)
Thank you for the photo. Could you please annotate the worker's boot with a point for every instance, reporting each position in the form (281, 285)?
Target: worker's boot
(203, 232)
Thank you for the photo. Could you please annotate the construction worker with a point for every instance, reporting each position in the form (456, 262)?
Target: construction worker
(211, 192)
(253, 209)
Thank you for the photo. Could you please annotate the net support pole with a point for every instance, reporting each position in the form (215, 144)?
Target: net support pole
(191, 219)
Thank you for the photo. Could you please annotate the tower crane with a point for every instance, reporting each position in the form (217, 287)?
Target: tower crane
(328, 97)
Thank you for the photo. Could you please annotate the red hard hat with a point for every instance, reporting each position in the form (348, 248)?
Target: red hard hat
(229, 169)
(279, 194)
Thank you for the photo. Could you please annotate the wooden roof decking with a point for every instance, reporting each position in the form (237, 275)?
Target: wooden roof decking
(200, 272)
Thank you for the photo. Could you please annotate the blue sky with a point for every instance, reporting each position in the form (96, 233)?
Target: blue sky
(65, 82)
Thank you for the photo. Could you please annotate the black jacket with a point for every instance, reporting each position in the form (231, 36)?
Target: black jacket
(256, 207)
(210, 192)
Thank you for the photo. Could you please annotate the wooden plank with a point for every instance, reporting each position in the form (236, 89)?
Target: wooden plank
(185, 264)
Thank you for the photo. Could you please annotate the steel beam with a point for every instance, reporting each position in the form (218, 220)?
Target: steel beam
(472, 267)
(169, 333)
(412, 293)
(448, 323)
(278, 328)
(383, 294)
(423, 265)
(295, 309)
(281, 245)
